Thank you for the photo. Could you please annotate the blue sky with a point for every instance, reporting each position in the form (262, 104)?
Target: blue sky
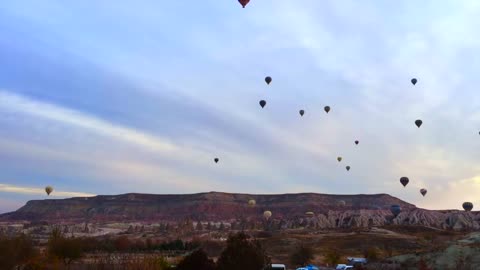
(140, 96)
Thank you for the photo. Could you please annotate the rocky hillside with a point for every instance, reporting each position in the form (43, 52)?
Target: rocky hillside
(288, 210)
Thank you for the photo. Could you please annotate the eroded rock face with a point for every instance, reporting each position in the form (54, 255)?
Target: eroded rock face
(357, 211)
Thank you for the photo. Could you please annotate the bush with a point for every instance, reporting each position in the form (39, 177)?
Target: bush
(301, 256)
(16, 251)
(332, 257)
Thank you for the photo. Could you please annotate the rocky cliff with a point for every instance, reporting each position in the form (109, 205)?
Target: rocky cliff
(288, 210)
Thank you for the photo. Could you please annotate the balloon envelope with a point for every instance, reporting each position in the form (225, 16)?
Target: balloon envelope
(418, 122)
(309, 214)
(262, 103)
(395, 209)
(267, 214)
(252, 202)
(356, 142)
(48, 190)
(339, 159)
(268, 79)
(327, 109)
(467, 206)
(414, 81)
(341, 203)
(243, 2)
(216, 160)
(302, 112)
(348, 168)
(404, 180)
(423, 191)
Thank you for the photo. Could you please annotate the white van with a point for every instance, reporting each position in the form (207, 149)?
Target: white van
(276, 266)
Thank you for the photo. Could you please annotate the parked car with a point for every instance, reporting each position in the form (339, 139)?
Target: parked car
(308, 267)
(343, 267)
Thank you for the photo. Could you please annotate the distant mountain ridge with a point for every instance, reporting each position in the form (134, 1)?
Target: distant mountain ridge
(354, 210)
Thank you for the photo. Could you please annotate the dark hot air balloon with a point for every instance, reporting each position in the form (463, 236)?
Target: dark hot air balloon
(302, 112)
(423, 192)
(418, 123)
(348, 168)
(48, 190)
(404, 180)
(356, 142)
(467, 206)
(339, 159)
(268, 79)
(414, 81)
(243, 2)
(262, 103)
(327, 109)
(216, 160)
(395, 209)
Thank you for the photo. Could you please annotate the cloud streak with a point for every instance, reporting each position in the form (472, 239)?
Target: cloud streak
(41, 191)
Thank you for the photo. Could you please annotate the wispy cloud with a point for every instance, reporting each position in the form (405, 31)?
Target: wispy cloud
(41, 191)
(357, 58)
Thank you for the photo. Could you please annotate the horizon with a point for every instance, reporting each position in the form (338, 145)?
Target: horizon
(100, 98)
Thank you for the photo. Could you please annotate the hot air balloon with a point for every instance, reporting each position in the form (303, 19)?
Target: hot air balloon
(327, 109)
(341, 203)
(302, 112)
(268, 79)
(252, 203)
(243, 2)
(467, 206)
(356, 142)
(216, 160)
(309, 214)
(339, 159)
(414, 81)
(267, 214)
(395, 209)
(262, 103)
(418, 123)
(423, 192)
(348, 168)
(48, 190)
(404, 180)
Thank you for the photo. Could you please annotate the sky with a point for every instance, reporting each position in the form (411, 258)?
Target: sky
(113, 97)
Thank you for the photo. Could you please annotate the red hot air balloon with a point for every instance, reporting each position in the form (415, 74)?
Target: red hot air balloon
(243, 2)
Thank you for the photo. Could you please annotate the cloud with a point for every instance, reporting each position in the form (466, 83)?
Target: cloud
(41, 191)
(193, 89)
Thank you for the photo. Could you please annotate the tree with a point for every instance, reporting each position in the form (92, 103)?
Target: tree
(198, 260)
(332, 256)
(301, 256)
(242, 253)
(67, 250)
